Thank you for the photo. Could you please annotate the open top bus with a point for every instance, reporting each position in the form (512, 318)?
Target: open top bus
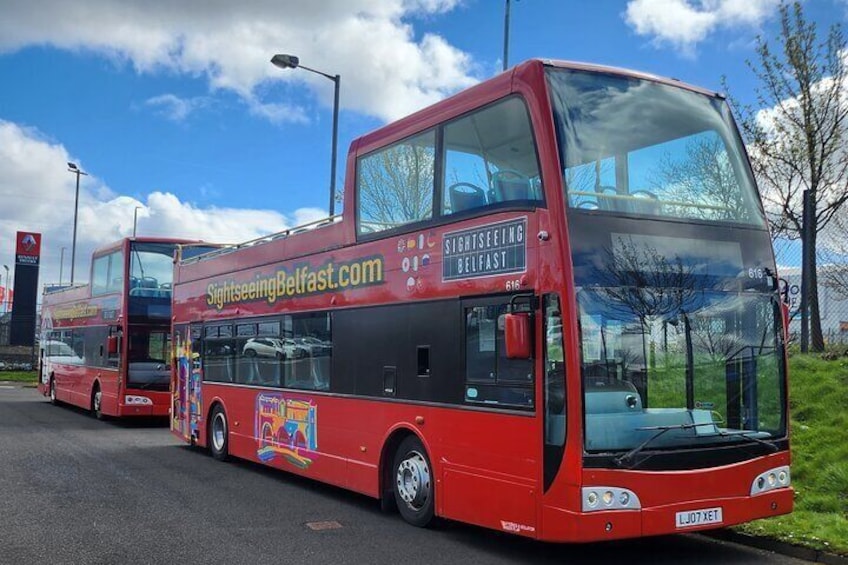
(549, 307)
(106, 345)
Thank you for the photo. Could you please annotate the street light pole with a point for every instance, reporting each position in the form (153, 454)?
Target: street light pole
(61, 264)
(135, 218)
(72, 168)
(506, 37)
(6, 295)
(292, 62)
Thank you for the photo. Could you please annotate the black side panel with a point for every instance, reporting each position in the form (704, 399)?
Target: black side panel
(366, 340)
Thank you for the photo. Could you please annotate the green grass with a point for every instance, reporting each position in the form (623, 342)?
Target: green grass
(819, 437)
(28, 377)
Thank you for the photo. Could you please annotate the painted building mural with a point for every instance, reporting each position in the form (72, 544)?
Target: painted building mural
(287, 428)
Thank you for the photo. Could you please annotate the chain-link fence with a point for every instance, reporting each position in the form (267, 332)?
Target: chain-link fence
(832, 272)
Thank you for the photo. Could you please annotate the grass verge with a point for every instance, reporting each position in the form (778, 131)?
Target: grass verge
(819, 439)
(26, 377)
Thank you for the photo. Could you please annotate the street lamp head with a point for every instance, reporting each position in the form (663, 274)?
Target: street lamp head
(285, 61)
(72, 166)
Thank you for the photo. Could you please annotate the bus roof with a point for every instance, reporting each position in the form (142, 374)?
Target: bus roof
(115, 245)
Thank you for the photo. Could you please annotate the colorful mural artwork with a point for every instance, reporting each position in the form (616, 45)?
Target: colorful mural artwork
(288, 428)
(182, 352)
(187, 387)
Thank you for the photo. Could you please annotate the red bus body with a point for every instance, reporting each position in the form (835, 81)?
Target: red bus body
(88, 332)
(490, 464)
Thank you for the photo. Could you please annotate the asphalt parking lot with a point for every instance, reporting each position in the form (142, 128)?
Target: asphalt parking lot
(77, 490)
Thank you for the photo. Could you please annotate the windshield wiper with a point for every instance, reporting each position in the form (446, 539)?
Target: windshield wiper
(627, 458)
(747, 435)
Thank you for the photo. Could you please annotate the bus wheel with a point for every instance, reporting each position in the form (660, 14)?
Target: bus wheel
(413, 483)
(218, 434)
(97, 403)
(52, 387)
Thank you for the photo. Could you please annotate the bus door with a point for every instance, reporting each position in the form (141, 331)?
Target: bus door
(185, 408)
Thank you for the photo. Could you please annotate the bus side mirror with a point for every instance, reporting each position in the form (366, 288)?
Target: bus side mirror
(517, 335)
(112, 345)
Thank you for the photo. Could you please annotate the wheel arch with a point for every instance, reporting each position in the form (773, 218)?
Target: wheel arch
(390, 446)
(95, 386)
(216, 401)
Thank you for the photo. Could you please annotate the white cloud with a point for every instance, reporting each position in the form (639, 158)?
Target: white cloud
(386, 70)
(175, 108)
(38, 195)
(685, 23)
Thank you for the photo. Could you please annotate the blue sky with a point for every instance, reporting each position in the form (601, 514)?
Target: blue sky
(174, 108)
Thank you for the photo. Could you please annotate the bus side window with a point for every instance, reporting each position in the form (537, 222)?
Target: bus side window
(554, 373)
(218, 354)
(492, 378)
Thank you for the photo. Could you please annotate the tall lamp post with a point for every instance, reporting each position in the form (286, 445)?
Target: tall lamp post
(72, 168)
(6, 295)
(292, 62)
(506, 36)
(135, 218)
(61, 263)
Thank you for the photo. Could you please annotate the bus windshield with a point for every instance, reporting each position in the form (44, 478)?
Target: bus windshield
(708, 363)
(636, 147)
(149, 357)
(151, 269)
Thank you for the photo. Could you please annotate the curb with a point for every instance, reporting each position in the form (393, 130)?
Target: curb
(777, 546)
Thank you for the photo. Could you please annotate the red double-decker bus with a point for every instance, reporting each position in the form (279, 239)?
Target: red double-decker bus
(105, 346)
(549, 307)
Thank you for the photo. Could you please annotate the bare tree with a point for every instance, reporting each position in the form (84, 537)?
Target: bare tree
(640, 280)
(396, 185)
(797, 144)
(834, 272)
(702, 175)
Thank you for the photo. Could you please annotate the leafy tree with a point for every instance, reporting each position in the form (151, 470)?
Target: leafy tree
(797, 138)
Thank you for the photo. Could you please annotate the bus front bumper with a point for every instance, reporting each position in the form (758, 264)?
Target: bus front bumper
(145, 403)
(680, 518)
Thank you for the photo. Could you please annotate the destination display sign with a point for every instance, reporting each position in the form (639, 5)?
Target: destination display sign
(484, 251)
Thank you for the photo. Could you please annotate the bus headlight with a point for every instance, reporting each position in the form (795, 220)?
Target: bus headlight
(137, 400)
(612, 498)
(772, 479)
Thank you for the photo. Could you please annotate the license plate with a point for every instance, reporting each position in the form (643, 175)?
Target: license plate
(693, 518)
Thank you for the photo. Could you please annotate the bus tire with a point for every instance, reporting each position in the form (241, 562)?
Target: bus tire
(51, 385)
(218, 434)
(97, 403)
(413, 484)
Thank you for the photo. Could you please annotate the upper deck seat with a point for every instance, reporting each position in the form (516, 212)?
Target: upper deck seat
(466, 196)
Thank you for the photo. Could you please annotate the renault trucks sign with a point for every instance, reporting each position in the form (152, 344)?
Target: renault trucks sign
(28, 249)
(27, 255)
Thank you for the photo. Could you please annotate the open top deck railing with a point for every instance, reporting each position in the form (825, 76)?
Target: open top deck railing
(225, 249)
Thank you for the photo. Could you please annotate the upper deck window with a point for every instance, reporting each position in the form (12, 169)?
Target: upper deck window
(482, 159)
(490, 158)
(395, 184)
(107, 274)
(640, 148)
